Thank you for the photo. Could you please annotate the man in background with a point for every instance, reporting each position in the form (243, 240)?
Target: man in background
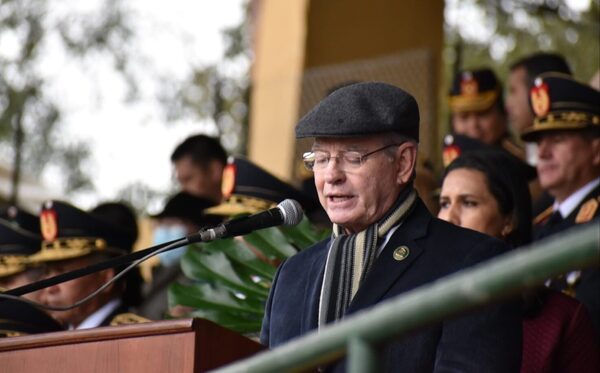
(567, 133)
(520, 80)
(74, 239)
(199, 162)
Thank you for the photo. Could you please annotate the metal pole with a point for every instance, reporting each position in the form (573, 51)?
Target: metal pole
(362, 357)
(482, 284)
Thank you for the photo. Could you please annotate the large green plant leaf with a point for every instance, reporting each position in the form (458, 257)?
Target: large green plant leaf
(272, 242)
(215, 298)
(304, 234)
(239, 252)
(233, 276)
(215, 267)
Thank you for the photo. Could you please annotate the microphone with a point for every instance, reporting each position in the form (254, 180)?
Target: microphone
(288, 213)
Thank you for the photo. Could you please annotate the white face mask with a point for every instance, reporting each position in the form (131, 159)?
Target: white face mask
(166, 233)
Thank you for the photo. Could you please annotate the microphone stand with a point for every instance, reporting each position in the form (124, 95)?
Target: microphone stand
(111, 263)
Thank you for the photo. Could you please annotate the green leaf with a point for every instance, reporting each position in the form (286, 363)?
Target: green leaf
(239, 252)
(271, 242)
(215, 267)
(304, 234)
(205, 296)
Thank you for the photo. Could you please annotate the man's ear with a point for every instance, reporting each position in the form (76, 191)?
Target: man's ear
(406, 159)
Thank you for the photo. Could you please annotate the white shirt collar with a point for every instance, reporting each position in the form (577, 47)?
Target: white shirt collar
(568, 205)
(95, 319)
(387, 238)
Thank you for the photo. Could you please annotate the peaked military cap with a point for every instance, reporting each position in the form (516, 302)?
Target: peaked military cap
(362, 109)
(16, 245)
(249, 188)
(474, 90)
(20, 318)
(562, 103)
(186, 206)
(457, 145)
(69, 232)
(21, 218)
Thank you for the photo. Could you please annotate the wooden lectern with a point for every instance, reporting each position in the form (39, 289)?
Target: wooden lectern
(187, 345)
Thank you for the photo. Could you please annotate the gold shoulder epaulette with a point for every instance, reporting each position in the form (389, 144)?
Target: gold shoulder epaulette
(587, 210)
(543, 216)
(128, 318)
(10, 333)
(513, 148)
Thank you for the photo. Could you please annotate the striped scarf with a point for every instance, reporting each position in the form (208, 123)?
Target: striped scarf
(350, 258)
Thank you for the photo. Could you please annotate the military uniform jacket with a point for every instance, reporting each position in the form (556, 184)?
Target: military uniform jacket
(584, 285)
(488, 340)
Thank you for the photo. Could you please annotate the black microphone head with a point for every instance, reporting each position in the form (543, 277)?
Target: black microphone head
(291, 212)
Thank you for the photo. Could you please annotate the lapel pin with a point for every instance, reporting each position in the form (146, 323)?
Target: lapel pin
(401, 253)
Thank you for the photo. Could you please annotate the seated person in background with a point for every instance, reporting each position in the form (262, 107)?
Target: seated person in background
(520, 81)
(478, 112)
(567, 133)
(122, 215)
(248, 188)
(486, 191)
(16, 270)
(74, 239)
(19, 318)
(520, 115)
(363, 158)
(182, 215)
(19, 238)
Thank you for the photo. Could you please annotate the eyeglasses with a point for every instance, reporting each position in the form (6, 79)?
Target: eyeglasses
(351, 160)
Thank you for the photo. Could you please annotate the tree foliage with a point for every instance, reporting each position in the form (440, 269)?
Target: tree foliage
(495, 33)
(220, 92)
(30, 116)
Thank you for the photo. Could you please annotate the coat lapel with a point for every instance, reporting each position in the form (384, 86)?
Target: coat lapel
(315, 269)
(386, 270)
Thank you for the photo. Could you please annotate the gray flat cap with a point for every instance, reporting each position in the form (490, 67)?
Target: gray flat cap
(362, 109)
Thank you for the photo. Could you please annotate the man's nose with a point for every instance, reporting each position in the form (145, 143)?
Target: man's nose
(333, 172)
(542, 148)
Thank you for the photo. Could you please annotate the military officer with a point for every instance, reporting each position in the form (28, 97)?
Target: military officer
(19, 238)
(567, 132)
(16, 245)
(72, 239)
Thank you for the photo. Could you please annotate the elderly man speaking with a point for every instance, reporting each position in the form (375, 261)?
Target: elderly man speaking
(384, 241)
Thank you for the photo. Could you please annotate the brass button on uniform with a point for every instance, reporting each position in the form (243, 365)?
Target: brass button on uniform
(401, 253)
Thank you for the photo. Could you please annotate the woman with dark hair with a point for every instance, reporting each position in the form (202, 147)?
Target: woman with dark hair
(489, 194)
(487, 191)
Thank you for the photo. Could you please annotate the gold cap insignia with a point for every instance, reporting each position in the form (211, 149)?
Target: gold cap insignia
(586, 211)
(401, 253)
(540, 98)
(449, 154)
(48, 225)
(468, 85)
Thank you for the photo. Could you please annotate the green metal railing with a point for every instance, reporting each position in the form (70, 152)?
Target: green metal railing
(482, 284)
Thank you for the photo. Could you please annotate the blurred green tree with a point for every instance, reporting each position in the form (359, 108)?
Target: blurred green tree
(495, 33)
(30, 116)
(221, 91)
